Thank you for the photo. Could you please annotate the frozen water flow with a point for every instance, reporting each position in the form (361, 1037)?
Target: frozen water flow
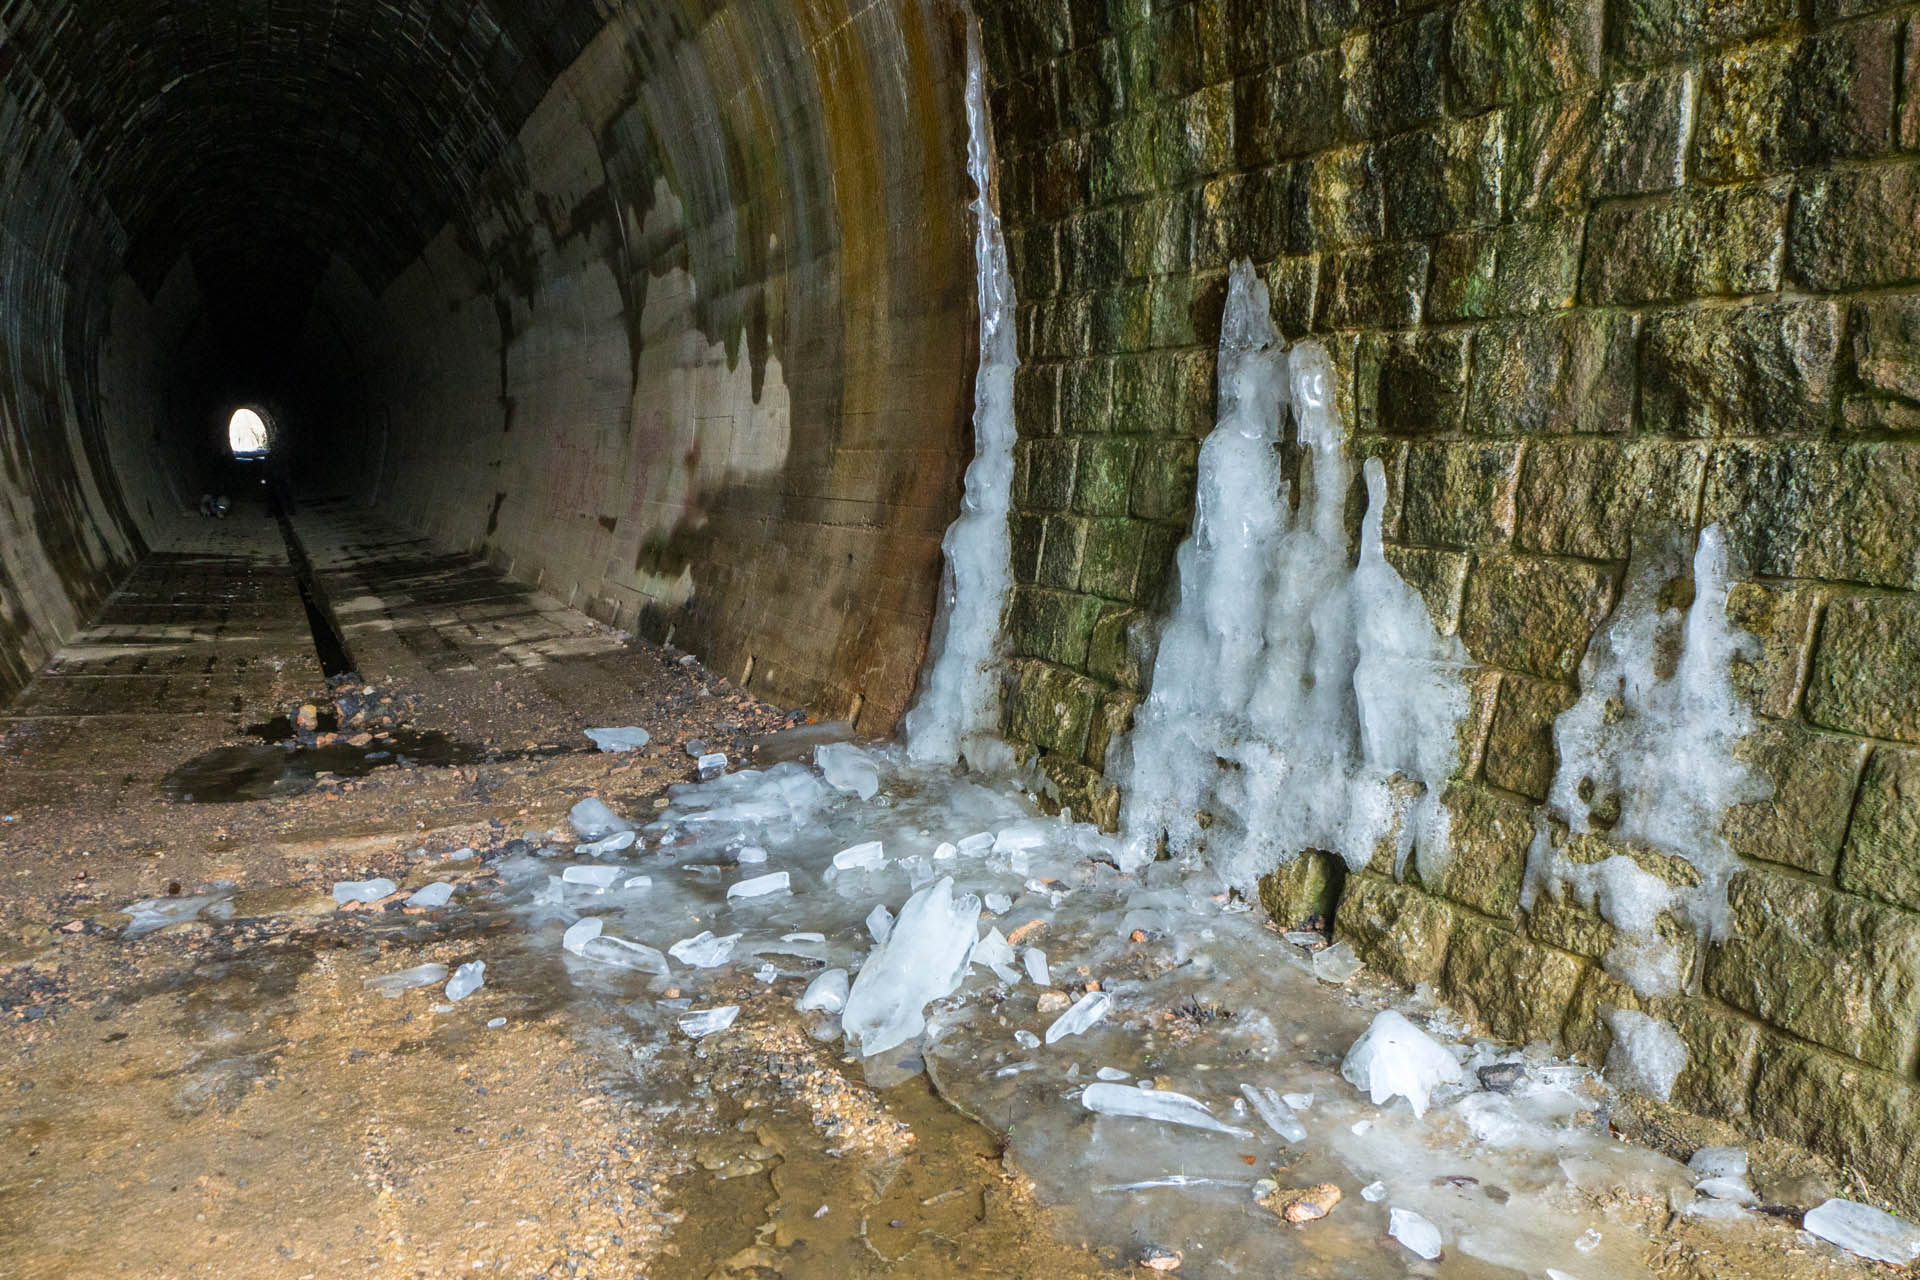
(466, 980)
(704, 1022)
(1865, 1230)
(1647, 1054)
(1091, 1009)
(704, 951)
(957, 712)
(761, 886)
(1274, 1110)
(1302, 701)
(150, 914)
(345, 891)
(1162, 1105)
(1657, 755)
(1415, 1232)
(827, 993)
(847, 769)
(924, 958)
(1397, 1059)
(629, 738)
(437, 894)
(593, 820)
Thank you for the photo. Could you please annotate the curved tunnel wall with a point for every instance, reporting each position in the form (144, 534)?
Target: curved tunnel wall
(667, 312)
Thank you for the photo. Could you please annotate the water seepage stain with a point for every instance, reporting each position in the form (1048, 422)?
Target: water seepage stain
(281, 766)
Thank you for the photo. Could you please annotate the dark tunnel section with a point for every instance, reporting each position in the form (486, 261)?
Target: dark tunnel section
(608, 294)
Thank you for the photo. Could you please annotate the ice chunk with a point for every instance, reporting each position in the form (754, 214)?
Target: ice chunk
(1275, 1112)
(1091, 1009)
(612, 844)
(618, 953)
(1298, 1101)
(345, 891)
(880, 922)
(923, 958)
(601, 878)
(1374, 1192)
(593, 820)
(1154, 1104)
(826, 993)
(629, 738)
(466, 980)
(437, 894)
(1026, 1039)
(1036, 962)
(580, 931)
(1865, 1230)
(867, 856)
(704, 1022)
(157, 913)
(637, 884)
(419, 976)
(977, 843)
(1337, 964)
(1719, 1162)
(944, 851)
(1415, 1232)
(1019, 839)
(847, 769)
(1112, 1073)
(1734, 1189)
(803, 937)
(1394, 1058)
(710, 766)
(494, 1024)
(704, 951)
(1647, 1055)
(750, 854)
(999, 903)
(996, 953)
(761, 886)
(461, 855)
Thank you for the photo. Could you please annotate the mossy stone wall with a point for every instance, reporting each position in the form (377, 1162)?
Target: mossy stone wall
(1587, 267)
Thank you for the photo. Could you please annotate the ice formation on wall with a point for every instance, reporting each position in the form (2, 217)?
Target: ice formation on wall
(1658, 748)
(957, 713)
(1292, 689)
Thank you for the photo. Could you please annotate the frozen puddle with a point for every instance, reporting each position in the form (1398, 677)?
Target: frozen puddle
(1208, 1005)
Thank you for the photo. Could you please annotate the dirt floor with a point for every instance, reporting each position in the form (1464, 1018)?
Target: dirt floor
(224, 1097)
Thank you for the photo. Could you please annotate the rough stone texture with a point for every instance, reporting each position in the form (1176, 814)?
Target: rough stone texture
(1585, 497)
(1302, 894)
(1859, 1118)
(1520, 753)
(1532, 614)
(1398, 930)
(1519, 989)
(1882, 855)
(1490, 835)
(1866, 668)
(1827, 967)
(1803, 822)
(1753, 370)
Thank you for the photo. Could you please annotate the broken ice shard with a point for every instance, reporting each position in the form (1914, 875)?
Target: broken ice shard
(600, 878)
(1090, 1010)
(704, 1022)
(592, 820)
(1865, 1230)
(580, 932)
(433, 895)
(1395, 1058)
(466, 980)
(345, 891)
(761, 886)
(867, 856)
(419, 976)
(1036, 962)
(612, 844)
(710, 766)
(827, 993)
(704, 951)
(847, 769)
(629, 738)
(1273, 1109)
(1415, 1232)
(880, 922)
(923, 958)
(1154, 1104)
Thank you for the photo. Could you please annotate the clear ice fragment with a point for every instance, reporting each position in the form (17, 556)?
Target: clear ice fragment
(628, 738)
(704, 1022)
(612, 844)
(750, 854)
(466, 980)
(879, 922)
(593, 820)
(1719, 1162)
(1091, 1009)
(1337, 964)
(869, 855)
(345, 891)
(600, 878)
(761, 886)
(1275, 1112)
(945, 850)
(1374, 1192)
(1865, 1230)
(827, 993)
(1415, 1232)
(1154, 1104)
(1026, 1039)
(580, 932)
(977, 843)
(999, 903)
(923, 958)
(847, 769)
(704, 951)
(711, 765)
(437, 894)
(420, 975)
(1035, 961)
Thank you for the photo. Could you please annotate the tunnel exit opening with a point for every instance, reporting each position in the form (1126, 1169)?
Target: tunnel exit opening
(247, 435)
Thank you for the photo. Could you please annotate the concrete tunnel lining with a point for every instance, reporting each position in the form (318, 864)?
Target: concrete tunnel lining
(668, 313)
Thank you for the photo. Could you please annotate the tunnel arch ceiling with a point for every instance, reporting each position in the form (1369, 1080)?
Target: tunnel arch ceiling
(667, 307)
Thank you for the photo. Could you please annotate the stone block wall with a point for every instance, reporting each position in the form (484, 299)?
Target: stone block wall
(1587, 267)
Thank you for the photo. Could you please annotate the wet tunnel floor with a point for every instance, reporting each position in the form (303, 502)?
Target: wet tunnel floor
(223, 1097)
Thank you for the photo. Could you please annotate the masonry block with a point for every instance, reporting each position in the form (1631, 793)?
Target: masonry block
(1882, 856)
(1692, 244)
(1398, 930)
(1520, 751)
(1855, 229)
(1533, 615)
(1586, 497)
(1574, 374)
(1518, 989)
(1459, 495)
(1810, 510)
